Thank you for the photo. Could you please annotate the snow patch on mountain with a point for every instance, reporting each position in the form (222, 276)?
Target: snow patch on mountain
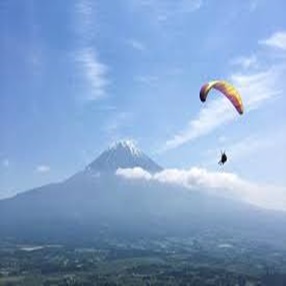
(122, 154)
(128, 145)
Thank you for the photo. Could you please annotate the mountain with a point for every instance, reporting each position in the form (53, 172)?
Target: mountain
(123, 154)
(97, 204)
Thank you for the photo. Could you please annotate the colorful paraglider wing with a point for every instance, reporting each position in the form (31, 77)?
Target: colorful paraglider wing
(227, 89)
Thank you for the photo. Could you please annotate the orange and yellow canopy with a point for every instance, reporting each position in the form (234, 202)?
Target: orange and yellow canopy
(227, 89)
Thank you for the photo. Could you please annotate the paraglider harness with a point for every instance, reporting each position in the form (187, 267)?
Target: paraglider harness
(223, 158)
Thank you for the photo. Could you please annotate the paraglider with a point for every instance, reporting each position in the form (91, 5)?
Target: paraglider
(225, 88)
(223, 158)
(230, 93)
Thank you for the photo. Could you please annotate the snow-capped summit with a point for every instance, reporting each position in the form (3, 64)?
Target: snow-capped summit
(123, 154)
(128, 145)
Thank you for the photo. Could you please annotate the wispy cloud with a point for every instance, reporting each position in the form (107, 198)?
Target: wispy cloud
(214, 115)
(187, 6)
(43, 169)
(257, 88)
(277, 40)
(165, 10)
(180, 5)
(85, 12)
(245, 62)
(94, 72)
(146, 79)
(91, 68)
(220, 183)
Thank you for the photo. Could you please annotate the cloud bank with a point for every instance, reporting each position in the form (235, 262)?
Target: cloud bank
(219, 183)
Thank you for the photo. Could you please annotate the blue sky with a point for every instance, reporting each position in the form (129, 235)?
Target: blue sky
(77, 75)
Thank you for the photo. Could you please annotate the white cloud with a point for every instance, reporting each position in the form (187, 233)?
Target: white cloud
(43, 169)
(256, 88)
(220, 183)
(133, 173)
(277, 40)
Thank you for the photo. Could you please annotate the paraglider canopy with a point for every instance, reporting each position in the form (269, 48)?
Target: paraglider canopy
(226, 89)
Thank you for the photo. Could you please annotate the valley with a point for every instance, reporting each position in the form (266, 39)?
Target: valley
(169, 261)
